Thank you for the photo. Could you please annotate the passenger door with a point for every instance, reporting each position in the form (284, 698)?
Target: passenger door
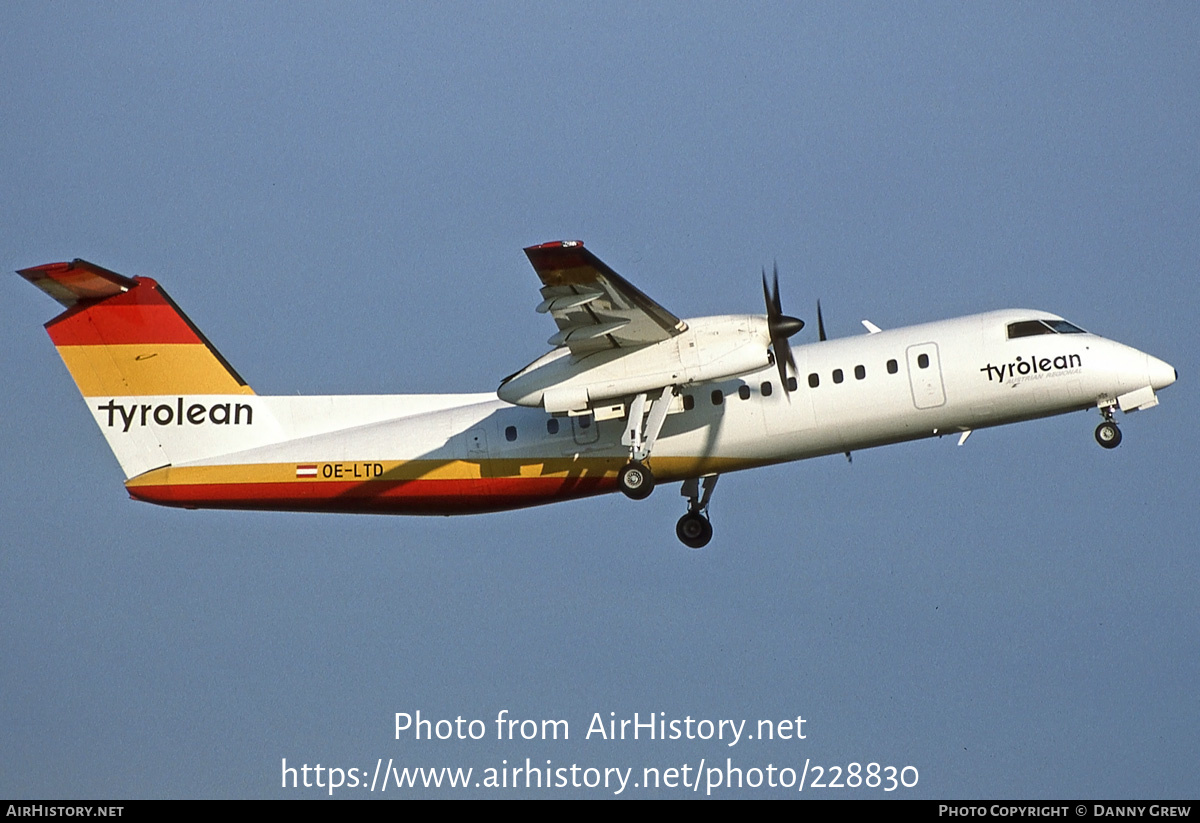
(925, 376)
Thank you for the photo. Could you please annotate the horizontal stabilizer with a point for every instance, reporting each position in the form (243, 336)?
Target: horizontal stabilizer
(70, 283)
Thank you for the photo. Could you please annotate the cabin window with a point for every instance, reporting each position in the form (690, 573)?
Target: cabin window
(923, 361)
(814, 380)
(717, 397)
(893, 367)
(765, 388)
(689, 402)
(837, 375)
(510, 434)
(744, 392)
(792, 384)
(552, 426)
(585, 422)
(860, 372)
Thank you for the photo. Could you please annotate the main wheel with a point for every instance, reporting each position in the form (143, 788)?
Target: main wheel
(1108, 435)
(636, 481)
(694, 530)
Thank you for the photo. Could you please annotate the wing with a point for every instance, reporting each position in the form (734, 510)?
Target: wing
(595, 308)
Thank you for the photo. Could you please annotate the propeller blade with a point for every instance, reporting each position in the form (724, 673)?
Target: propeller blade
(780, 327)
(781, 363)
(775, 272)
(820, 322)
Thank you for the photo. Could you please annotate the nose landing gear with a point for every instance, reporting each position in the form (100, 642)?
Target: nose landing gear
(1107, 433)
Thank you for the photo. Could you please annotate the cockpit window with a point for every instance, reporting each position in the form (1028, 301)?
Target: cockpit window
(1028, 328)
(1063, 327)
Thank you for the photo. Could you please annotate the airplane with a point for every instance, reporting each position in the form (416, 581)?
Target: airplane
(629, 396)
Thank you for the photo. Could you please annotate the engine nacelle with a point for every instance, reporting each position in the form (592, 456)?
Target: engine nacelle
(712, 348)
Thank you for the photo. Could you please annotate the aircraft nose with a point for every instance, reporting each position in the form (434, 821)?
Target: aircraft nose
(1161, 373)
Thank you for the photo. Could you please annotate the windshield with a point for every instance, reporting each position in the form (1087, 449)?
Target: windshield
(1028, 328)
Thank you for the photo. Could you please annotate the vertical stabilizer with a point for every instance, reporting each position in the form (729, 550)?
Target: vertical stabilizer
(160, 392)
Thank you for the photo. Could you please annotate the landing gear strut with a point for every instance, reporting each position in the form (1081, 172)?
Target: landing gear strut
(635, 478)
(693, 529)
(1107, 433)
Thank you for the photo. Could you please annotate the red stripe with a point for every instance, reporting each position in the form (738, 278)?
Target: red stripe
(556, 244)
(140, 315)
(378, 497)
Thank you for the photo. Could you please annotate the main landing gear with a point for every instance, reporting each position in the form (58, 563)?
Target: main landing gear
(637, 481)
(1107, 433)
(693, 529)
(635, 478)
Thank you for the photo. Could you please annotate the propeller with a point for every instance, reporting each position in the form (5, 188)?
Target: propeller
(820, 322)
(780, 327)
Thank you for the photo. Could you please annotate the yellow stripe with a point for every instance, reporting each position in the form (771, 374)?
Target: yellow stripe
(339, 471)
(148, 369)
(665, 468)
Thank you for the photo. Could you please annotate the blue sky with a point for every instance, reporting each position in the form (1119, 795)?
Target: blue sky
(338, 196)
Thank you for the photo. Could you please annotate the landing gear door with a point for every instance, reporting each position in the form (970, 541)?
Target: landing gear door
(925, 376)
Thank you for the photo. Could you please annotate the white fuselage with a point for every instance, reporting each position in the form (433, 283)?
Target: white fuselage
(974, 377)
(479, 453)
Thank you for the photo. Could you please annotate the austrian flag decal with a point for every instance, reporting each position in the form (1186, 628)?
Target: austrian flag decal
(306, 470)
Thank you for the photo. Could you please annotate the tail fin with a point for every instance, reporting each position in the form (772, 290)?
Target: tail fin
(124, 336)
(160, 392)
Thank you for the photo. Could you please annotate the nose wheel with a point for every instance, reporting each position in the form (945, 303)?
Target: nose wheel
(1108, 435)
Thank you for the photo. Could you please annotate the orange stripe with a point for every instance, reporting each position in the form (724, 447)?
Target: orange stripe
(148, 369)
(392, 471)
(410, 487)
(364, 471)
